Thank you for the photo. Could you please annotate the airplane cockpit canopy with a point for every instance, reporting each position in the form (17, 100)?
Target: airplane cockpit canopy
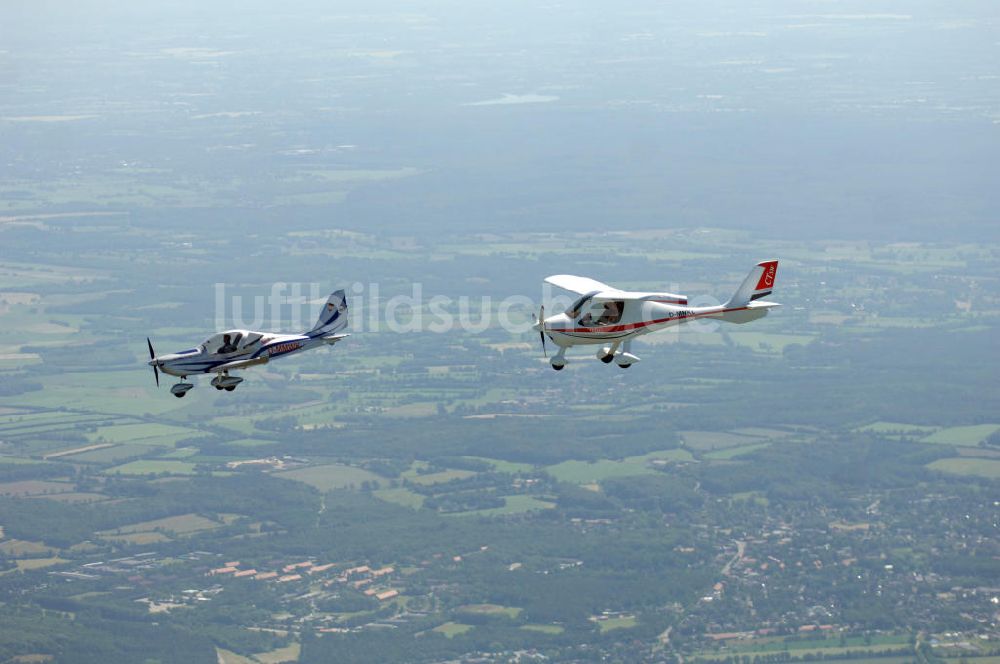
(232, 341)
(593, 312)
(577, 307)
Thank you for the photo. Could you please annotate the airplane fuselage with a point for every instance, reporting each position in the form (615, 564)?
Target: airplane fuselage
(200, 360)
(235, 350)
(641, 318)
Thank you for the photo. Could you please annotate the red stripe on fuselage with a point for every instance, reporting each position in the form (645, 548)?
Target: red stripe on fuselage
(635, 326)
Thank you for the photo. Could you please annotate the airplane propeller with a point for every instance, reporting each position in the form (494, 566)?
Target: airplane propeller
(541, 329)
(152, 356)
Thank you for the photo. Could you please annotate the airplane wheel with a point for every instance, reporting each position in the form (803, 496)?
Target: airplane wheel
(558, 367)
(219, 387)
(180, 394)
(607, 359)
(230, 388)
(624, 366)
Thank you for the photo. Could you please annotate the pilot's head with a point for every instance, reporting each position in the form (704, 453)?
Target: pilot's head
(225, 337)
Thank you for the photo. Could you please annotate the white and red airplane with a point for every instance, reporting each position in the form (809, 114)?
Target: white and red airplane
(612, 318)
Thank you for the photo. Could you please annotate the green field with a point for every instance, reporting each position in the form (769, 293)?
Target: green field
(115, 454)
(625, 622)
(251, 442)
(491, 610)
(33, 487)
(732, 452)
(962, 436)
(403, 497)
(452, 629)
(152, 467)
(512, 505)
(715, 440)
(501, 466)
(988, 468)
(331, 476)
(438, 478)
(544, 629)
(151, 433)
(586, 472)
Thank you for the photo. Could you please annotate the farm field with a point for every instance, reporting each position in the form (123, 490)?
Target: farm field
(330, 476)
(988, 468)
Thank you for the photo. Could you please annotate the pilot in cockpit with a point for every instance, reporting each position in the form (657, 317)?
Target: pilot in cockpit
(228, 344)
(611, 313)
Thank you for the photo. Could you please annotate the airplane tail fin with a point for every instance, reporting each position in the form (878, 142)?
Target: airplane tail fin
(333, 316)
(759, 283)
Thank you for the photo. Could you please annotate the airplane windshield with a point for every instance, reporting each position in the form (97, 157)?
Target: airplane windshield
(229, 342)
(577, 306)
(605, 312)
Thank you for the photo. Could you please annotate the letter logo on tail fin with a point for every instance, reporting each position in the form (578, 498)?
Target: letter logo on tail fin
(767, 277)
(757, 284)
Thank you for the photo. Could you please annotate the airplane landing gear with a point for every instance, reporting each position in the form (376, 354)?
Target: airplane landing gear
(625, 358)
(607, 354)
(180, 389)
(558, 361)
(226, 382)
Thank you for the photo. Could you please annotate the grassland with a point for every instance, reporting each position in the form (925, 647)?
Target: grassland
(491, 610)
(544, 629)
(452, 629)
(33, 487)
(116, 453)
(26, 564)
(587, 472)
(624, 622)
(153, 467)
(963, 436)
(501, 466)
(733, 452)
(403, 497)
(988, 468)
(150, 433)
(518, 504)
(439, 477)
(330, 476)
(715, 440)
(289, 653)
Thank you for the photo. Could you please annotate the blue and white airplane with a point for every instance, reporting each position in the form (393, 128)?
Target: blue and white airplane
(240, 349)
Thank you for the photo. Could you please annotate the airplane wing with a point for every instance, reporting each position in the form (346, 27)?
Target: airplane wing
(241, 364)
(334, 338)
(664, 298)
(581, 285)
